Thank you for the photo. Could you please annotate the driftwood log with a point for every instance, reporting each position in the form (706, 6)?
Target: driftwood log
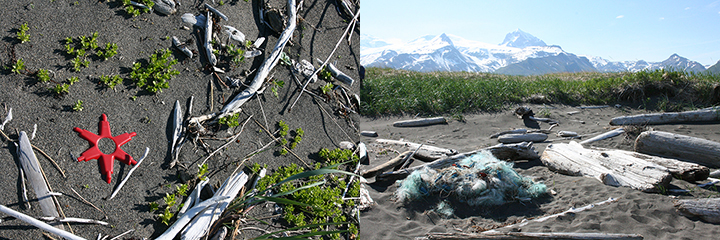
(678, 146)
(530, 236)
(705, 115)
(518, 138)
(609, 134)
(612, 167)
(518, 151)
(390, 164)
(707, 209)
(420, 122)
(426, 152)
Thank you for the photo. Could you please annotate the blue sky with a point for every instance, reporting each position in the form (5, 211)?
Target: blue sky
(614, 30)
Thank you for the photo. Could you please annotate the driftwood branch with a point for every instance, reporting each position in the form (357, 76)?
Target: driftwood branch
(501, 151)
(526, 137)
(609, 134)
(678, 146)
(390, 164)
(420, 122)
(38, 223)
(426, 152)
(129, 173)
(706, 115)
(612, 167)
(707, 209)
(33, 172)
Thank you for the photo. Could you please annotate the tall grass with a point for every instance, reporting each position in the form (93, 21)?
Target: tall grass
(390, 91)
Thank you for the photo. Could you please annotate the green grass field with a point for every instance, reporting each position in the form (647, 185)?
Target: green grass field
(390, 91)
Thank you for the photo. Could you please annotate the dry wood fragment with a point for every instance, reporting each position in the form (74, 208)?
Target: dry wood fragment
(431, 149)
(707, 115)
(420, 122)
(518, 138)
(609, 134)
(501, 151)
(611, 167)
(678, 146)
(390, 164)
(129, 173)
(531, 236)
(33, 172)
(369, 133)
(38, 223)
(707, 209)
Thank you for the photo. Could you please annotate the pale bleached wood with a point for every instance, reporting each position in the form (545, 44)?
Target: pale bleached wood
(518, 151)
(438, 150)
(390, 164)
(518, 138)
(612, 167)
(514, 131)
(33, 173)
(678, 146)
(708, 115)
(531, 236)
(609, 134)
(707, 209)
(683, 170)
(38, 223)
(420, 122)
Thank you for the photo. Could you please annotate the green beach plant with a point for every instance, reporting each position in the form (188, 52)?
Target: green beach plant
(22, 34)
(154, 76)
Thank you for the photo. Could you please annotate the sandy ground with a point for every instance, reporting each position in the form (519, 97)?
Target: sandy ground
(651, 215)
(132, 110)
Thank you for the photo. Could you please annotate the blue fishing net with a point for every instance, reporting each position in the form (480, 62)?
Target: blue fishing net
(480, 179)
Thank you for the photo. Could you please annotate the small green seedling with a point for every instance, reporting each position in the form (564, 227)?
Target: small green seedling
(43, 75)
(18, 66)
(325, 74)
(276, 84)
(110, 81)
(327, 88)
(60, 89)
(73, 80)
(110, 51)
(170, 199)
(182, 190)
(166, 216)
(154, 206)
(78, 106)
(22, 34)
(230, 121)
(202, 170)
(79, 63)
(284, 128)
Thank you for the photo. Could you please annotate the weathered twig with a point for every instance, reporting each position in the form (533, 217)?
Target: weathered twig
(122, 234)
(89, 203)
(129, 173)
(7, 119)
(38, 223)
(180, 223)
(74, 220)
(232, 139)
(326, 60)
(668, 117)
(609, 134)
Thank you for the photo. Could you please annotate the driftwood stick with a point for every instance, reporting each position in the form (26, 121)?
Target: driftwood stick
(34, 174)
(609, 134)
(518, 151)
(420, 122)
(526, 137)
(438, 150)
(267, 65)
(325, 62)
(232, 139)
(709, 115)
(38, 223)
(180, 223)
(406, 161)
(678, 146)
(74, 220)
(531, 236)
(51, 160)
(89, 203)
(122, 234)
(386, 166)
(707, 209)
(24, 189)
(7, 119)
(147, 150)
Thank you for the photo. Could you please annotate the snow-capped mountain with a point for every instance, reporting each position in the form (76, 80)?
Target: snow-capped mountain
(520, 53)
(714, 68)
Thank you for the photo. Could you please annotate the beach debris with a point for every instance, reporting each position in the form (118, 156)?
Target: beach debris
(122, 183)
(305, 68)
(216, 12)
(194, 198)
(679, 146)
(192, 19)
(534, 235)
(74, 220)
(715, 174)
(234, 34)
(420, 122)
(593, 107)
(182, 47)
(502, 151)
(705, 115)
(33, 173)
(611, 167)
(390, 164)
(275, 19)
(571, 210)
(347, 7)
(208, 40)
(609, 134)
(89, 203)
(105, 160)
(369, 133)
(713, 181)
(336, 73)
(566, 134)
(426, 153)
(365, 200)
(39, 224)
(354, 19)
(514, 131)
(183, 220)
(8, 117)
(177, 134)
(479, 179)
(221, 233)
(518, 138)
(166, 7)
(201, 224)
(524, 112)
(232, 139)
(707, 209)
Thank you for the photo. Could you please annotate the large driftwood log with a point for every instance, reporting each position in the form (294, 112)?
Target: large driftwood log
(707, 115)
(518, 138)
(518, 151)
(426, 152)
(530, 236)
(682, 170)
(707, 209)
(678, 146)
(420, 122)
(612, 167)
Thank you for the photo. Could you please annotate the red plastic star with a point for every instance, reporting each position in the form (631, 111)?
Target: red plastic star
(105, 161)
